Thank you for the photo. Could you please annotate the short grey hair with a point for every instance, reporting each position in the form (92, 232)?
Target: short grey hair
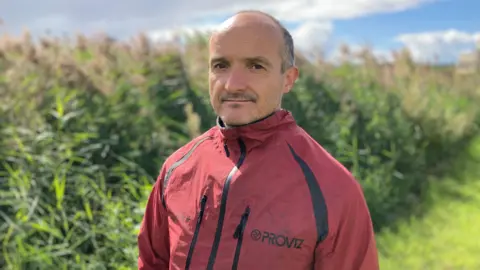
(288, 51)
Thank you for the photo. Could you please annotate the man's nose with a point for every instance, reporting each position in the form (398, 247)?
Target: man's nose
(236, 80)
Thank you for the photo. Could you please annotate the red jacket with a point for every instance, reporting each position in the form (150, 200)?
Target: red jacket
(260, 196)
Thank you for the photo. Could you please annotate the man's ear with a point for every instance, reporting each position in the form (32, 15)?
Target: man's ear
(291, 76)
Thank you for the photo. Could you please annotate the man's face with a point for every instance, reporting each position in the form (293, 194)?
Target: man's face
(245, 76)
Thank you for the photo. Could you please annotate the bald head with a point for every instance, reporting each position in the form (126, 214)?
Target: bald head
(250, 67)
(259, 20)
(249, 18)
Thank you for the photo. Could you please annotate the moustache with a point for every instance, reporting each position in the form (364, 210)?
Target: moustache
(238, 97)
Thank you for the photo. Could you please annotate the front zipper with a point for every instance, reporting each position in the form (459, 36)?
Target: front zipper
(239, 236)
(223, 206)
(195, 235)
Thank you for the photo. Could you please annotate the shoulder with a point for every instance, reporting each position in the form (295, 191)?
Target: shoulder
(184, 152)
(330, 174)
(307, 149)
(178, 158)
(334, 189)
(188, 148)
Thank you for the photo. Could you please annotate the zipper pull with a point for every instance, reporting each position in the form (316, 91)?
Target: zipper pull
(204, 200)
(226, 148)
(241, 226)
(202, 205)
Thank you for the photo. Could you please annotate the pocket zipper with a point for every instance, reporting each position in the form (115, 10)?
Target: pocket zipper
(239, 236)
(195, 235)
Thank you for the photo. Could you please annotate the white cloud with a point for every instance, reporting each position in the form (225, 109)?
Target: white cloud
(123, 18)
(355, 52)
(383, 55)
(289, 10)
(441, 45)
(300, 10)
(173, 34)
(312, 35)
(307, 36)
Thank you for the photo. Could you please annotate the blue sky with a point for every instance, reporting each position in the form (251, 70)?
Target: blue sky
(427, 27)
(381, 29)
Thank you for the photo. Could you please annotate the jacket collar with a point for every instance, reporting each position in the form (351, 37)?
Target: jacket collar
(258, 131)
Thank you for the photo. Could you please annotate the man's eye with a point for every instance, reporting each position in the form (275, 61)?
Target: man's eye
(219, 65)
(257, 66)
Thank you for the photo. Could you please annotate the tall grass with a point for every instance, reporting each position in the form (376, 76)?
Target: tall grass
(444, 237)
(87, 123)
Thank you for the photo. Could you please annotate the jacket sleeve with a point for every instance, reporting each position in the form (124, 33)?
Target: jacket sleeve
(153, 238)
(350, 244)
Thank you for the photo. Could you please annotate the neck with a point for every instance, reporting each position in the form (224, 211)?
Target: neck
(225, 125)
(258, 131)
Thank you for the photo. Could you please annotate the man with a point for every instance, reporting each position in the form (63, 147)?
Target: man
(255, 191)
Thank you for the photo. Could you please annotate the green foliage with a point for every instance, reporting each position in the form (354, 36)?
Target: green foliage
(77, 164)
(444, 238)
(85, 128)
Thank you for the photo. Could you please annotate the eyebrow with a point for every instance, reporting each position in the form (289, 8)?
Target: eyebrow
(260, 59)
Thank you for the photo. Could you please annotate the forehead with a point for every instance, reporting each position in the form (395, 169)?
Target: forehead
(247, 39)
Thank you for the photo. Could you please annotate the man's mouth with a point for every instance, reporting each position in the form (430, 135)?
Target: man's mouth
(238, 100)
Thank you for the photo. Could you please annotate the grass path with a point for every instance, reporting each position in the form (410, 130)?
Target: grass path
(448, 236)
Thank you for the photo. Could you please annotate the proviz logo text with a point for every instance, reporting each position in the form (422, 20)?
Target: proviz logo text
(278, 240)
